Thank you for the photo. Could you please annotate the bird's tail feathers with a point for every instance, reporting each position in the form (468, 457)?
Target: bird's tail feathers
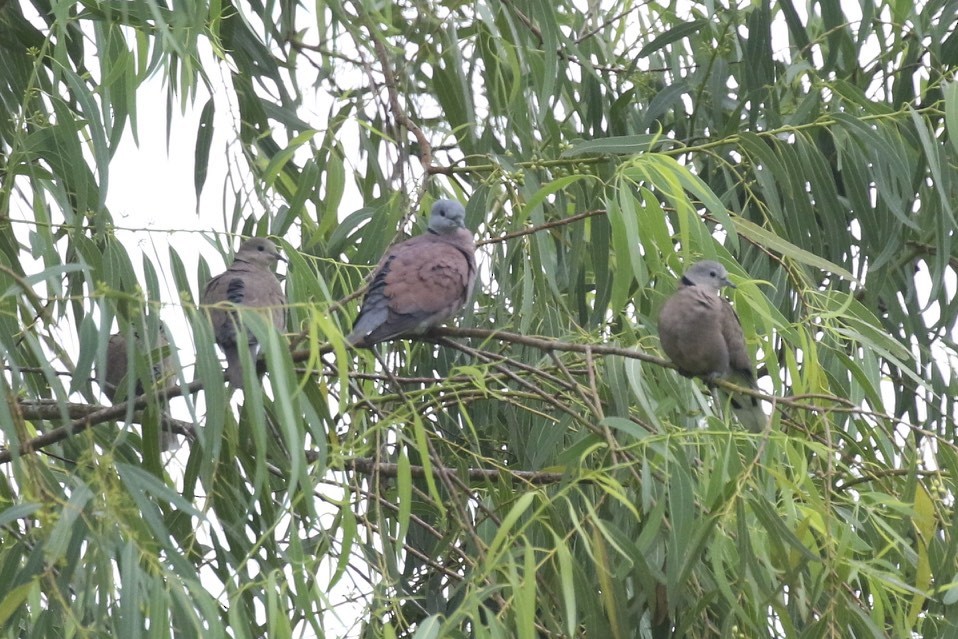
(234, 368)
(356, 338)
(167, 440)
(746, 408)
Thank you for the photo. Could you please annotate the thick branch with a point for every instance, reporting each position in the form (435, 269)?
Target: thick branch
(96, 416)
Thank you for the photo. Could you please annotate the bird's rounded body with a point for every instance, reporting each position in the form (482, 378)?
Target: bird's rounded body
(702, 335)
(249, 282)
(689, 338)
(113, 376)
(421, 282)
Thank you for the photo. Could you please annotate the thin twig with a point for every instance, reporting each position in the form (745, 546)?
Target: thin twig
(402, 118)
(541, 227)
(532, 388)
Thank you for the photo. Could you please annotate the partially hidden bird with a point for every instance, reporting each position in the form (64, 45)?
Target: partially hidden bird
(248, 283)
(115, 369)
(702, 335)
(421, 282)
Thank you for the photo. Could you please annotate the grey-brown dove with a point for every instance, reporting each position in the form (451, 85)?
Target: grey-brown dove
(701, 334)
(421, 282)
(249, 282)
(116, 365)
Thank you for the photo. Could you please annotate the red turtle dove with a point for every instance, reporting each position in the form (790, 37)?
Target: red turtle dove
(701, 334)
(249, 282)
(114, 373)
(419, 283)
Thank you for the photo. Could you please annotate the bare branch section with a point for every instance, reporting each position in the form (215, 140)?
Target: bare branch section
(369, 467)
(402, 118)
(50, 410)
(542, 227)
(98, 415)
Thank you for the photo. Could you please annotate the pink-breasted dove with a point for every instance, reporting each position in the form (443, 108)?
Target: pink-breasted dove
(420, 282)
(249, 282)
(702, 335)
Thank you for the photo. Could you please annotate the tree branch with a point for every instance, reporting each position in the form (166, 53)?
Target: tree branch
(369, 466)
(49, 410)
(402, 118)
(541, 227)
(97, 416)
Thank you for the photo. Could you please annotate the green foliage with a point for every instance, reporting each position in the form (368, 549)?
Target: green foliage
(539, 471)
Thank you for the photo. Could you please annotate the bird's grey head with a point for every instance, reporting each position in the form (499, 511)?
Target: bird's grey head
(447, 216)
(259, 250)
(707, 274)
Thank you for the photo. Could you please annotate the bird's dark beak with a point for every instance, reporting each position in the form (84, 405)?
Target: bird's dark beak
(727, 282)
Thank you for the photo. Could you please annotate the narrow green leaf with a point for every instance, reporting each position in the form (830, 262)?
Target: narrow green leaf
(566, 583)
(278, 162)
(64, 529)
(522, 504)
(11, 514)
(14, 598)
(428, 628)
(613, 145)
(525, 595)
(763, 237)
(201, 155)
(950, 91)
(674, 34)
(627, 426)
(550, 188)
(404, 494)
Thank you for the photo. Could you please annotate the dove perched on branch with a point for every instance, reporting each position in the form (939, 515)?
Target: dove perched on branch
(421, 282)
(248, 283)
(116, 368)
(701, 334)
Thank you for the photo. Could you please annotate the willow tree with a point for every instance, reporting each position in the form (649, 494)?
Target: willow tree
(536, 468)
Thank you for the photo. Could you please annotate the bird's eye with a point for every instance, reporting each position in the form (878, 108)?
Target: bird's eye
(260, 248)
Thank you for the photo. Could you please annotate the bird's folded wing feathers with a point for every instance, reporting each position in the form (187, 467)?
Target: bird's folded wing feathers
(747, 408)
(428, 282)
(738, 357)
